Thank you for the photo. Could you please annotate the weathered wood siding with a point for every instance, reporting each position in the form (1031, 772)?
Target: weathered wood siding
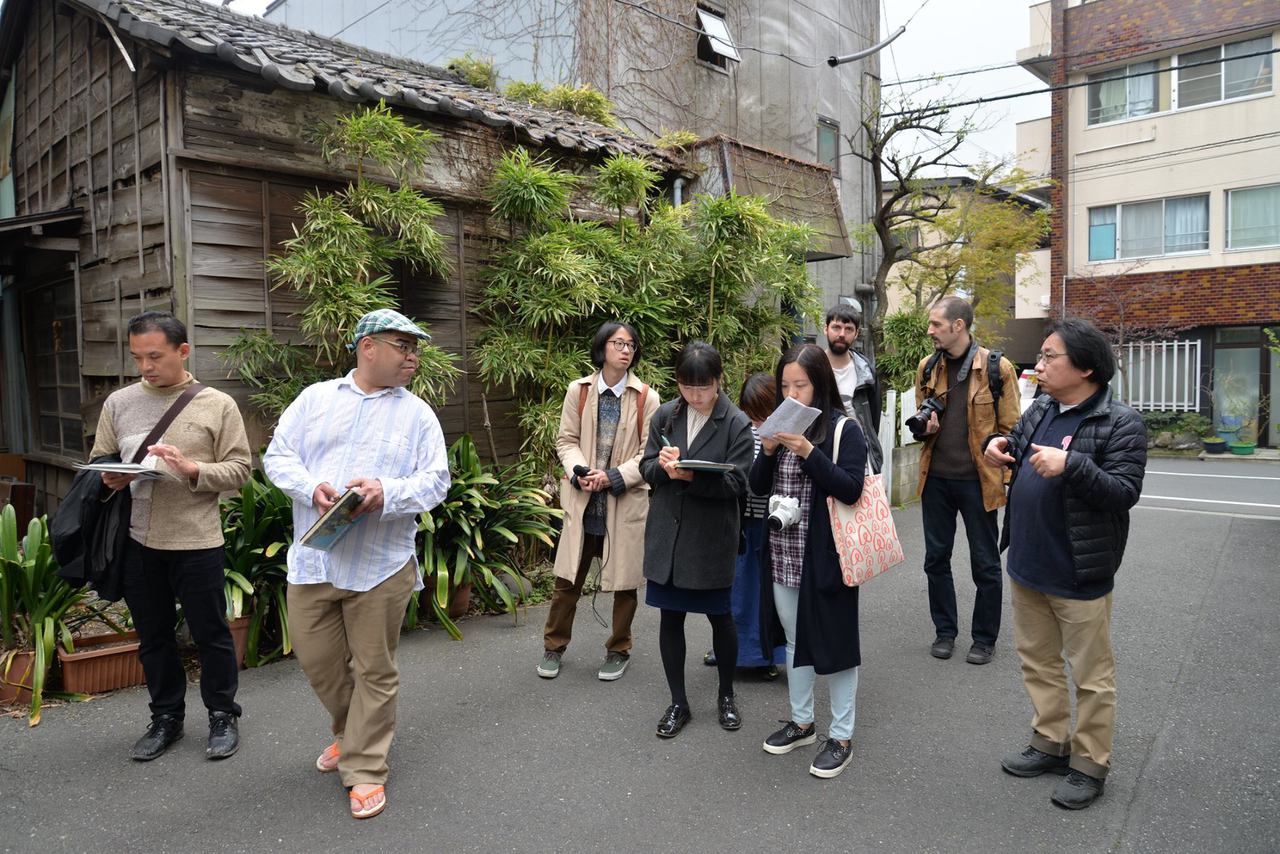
(88, 133)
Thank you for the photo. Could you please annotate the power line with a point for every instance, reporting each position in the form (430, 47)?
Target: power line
(945, 107)
(1148, 46)
(361, 18)
(1191, 148)
(804, 62)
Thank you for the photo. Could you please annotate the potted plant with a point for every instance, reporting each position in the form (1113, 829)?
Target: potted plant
(38, 610)
(477, 539)
(257, 525)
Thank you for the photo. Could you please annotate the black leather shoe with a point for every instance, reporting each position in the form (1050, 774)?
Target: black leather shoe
(943, 647)
(710, 658)
(673, 720)
(1032, 763)
(1076, 791)
(980, 654)
(224, 735)
(163, 731)
(730, 717)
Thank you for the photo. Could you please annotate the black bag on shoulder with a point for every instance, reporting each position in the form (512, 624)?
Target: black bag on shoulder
(90, 529)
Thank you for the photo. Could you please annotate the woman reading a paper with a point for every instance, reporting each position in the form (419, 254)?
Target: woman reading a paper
(801, 571)
(696, 461)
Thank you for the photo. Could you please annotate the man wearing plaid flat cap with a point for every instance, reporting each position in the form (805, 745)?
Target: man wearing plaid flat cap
(366, 433)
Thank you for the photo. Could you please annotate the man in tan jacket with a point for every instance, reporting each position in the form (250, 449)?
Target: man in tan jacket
(954, 478)
(175, 547)
(603, 426)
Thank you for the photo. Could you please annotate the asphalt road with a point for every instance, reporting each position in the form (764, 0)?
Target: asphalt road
(489, 757)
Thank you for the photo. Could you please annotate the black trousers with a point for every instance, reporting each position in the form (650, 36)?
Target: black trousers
(940, 501)
(154, 579)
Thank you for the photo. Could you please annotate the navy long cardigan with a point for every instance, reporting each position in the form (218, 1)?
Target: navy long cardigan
(827, 617)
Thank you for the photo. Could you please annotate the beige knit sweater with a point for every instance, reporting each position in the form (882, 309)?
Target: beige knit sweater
(173, 515)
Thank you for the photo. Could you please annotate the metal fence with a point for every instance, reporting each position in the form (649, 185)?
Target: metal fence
(1160, 375)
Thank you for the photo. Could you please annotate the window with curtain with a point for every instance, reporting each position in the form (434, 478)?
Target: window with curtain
(1186, 224)
(1142, 88)
(1107, 97)
(1248, 76)
(1149, 229)
(1122, 93)
(1141, 229)
(1253, 217)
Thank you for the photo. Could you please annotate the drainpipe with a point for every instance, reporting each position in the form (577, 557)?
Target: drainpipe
(677, 192)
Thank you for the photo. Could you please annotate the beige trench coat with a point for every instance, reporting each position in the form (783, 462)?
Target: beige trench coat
(625, 515)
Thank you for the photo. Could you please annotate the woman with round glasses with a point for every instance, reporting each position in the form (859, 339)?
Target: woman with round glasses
(691, 539)
(603, 423)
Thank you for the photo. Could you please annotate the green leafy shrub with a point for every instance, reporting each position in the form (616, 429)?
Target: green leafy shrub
(257, 524)
(38, 610)
(720, 269)
(481, 534)
(340, 260)
(906, 342)
(477, 71)
(585, 100)
(676, 140)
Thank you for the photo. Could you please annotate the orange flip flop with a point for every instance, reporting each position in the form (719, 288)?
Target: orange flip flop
(328, 760)
(360, 803)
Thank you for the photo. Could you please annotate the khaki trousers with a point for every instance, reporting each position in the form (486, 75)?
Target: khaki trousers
(346, 642)
(1043, 627)
(564, 606)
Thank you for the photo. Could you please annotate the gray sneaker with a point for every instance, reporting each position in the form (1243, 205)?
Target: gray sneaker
(549, 667)
(615, 664)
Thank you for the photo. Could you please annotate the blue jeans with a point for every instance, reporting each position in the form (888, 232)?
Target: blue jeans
(842, 686)
(941, 500)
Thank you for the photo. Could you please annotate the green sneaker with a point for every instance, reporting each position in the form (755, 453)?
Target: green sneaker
(615, 664)
(549, 668)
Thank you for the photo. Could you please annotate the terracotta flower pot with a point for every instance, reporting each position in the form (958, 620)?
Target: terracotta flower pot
(102, 663)
(16, 686)
(460, 601)
(240, 634)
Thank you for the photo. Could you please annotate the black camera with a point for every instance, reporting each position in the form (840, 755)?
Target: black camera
(919, 422)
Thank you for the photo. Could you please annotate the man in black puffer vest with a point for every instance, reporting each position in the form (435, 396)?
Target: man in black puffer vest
(1078, 459)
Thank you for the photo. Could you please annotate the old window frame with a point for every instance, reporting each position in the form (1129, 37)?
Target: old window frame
(715, 46)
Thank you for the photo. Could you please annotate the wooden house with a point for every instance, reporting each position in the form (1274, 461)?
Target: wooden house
(158, 155)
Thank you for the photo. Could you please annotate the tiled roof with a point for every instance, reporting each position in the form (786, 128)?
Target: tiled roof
(294, 59)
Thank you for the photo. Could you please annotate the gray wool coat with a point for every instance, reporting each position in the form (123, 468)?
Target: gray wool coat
(691, 538)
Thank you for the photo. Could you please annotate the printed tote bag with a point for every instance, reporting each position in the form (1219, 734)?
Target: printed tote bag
(865, 536)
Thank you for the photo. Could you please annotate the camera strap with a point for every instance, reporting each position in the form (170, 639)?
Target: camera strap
(963, 375)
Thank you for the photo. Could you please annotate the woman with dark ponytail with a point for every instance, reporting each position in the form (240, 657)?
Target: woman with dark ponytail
(691, 538)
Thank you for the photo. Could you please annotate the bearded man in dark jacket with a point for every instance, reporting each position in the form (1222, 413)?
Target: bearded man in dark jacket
(1078, 459)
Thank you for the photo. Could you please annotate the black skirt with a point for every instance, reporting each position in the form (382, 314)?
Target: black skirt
(672, 598)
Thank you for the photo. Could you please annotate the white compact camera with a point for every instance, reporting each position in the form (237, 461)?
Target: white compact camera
(784, 511)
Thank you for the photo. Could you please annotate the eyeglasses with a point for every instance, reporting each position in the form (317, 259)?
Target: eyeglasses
(623, 345)
(1047, 357)
(406, 350)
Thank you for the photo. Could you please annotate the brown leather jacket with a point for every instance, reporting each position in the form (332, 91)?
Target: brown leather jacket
(983, 418)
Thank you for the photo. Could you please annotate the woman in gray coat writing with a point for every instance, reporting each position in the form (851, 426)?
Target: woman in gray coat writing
(691, 539)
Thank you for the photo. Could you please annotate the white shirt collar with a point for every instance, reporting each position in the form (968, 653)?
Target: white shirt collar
(350, 381)
(617, 389)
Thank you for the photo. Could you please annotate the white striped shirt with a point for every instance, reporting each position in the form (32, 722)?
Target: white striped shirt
(334, 432)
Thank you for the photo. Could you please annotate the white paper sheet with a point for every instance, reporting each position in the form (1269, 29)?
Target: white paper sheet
(791, 417)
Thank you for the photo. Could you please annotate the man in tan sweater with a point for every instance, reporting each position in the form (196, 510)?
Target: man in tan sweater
(175, 548)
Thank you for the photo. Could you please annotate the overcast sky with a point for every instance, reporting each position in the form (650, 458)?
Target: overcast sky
(946, 35)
